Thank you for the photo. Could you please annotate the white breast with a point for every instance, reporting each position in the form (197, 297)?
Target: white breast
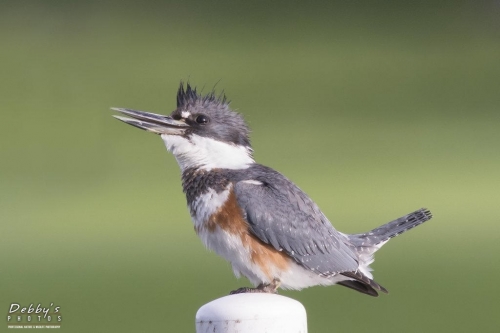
(206, 205)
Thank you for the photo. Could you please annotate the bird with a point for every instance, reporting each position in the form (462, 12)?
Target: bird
(269, 230)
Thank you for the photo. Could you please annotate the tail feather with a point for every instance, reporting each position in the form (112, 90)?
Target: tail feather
(362, 283)
(391, 229)
(359, 286)
(367, 243)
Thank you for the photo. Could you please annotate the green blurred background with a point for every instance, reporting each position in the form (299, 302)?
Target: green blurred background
(374, 109)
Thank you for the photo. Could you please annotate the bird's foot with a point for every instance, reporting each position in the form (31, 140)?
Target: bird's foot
(270, 288)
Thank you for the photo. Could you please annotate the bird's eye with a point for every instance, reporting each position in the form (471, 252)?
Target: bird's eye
(202, 119)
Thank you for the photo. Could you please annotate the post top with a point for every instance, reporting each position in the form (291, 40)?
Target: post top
(252, 313)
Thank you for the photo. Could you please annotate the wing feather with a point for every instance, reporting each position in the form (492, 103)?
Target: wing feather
(281, 215)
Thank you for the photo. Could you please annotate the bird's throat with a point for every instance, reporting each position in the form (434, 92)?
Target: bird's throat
(206, 153)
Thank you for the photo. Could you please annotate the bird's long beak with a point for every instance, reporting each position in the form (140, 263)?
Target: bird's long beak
(151, 122)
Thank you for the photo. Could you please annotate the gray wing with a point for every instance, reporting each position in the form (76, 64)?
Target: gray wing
(281, 215)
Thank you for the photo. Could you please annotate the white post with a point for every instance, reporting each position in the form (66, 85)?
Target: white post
(252, 313)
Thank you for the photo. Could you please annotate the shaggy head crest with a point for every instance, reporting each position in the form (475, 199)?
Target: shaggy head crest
(222, 124)
(189, 97)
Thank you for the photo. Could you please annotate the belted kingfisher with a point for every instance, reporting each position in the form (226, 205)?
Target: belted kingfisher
(263, 224)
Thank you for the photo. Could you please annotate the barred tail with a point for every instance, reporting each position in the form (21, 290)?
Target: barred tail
(391, 229)
(367, 243)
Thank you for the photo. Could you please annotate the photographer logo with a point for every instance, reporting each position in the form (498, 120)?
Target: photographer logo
(34, 316)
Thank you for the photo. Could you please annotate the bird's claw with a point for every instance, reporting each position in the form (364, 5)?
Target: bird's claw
(270, 288)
